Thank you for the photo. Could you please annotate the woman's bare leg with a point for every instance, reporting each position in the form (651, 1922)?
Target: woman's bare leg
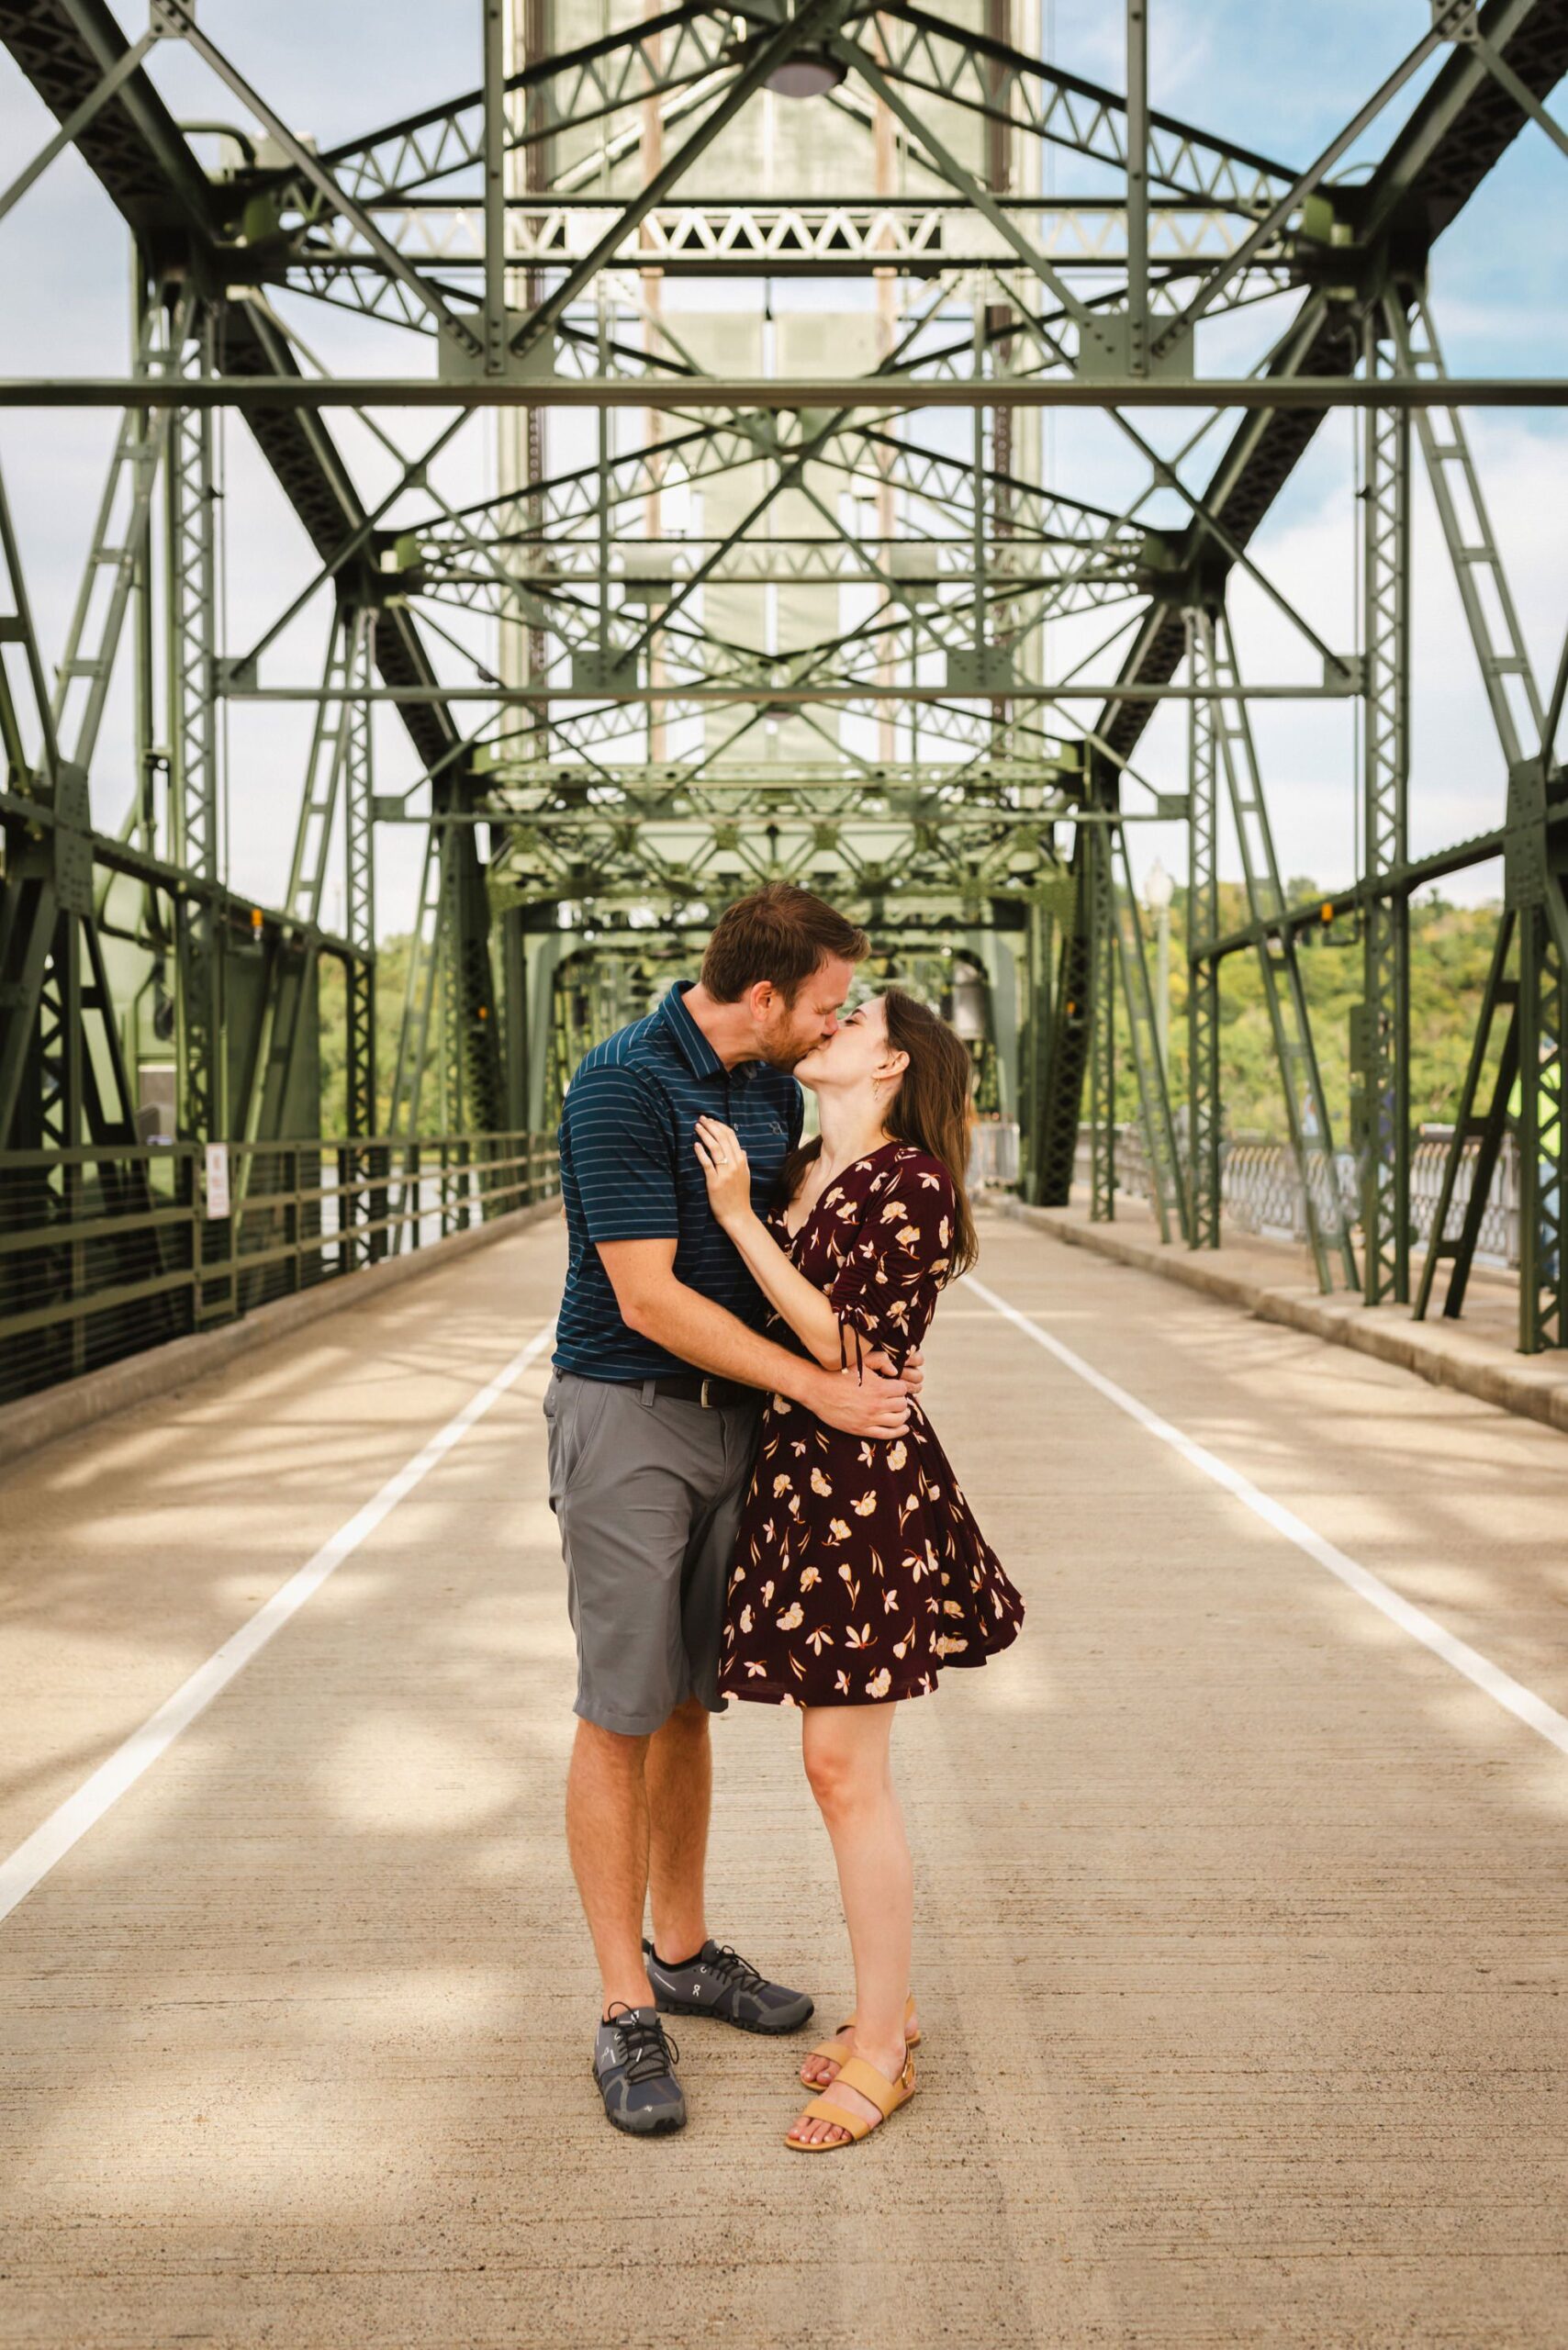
(846, 1751)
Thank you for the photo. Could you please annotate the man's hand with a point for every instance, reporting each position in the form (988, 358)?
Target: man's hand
(912, 1372)
(868, 1406)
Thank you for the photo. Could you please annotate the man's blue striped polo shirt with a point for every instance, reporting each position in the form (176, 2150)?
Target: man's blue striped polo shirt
(630, 1171)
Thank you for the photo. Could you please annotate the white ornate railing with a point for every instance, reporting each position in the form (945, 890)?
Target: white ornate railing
(994, 1152)
(1498, 1243)
(1260, 1190)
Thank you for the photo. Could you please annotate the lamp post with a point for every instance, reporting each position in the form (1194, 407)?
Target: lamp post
(1159, 889)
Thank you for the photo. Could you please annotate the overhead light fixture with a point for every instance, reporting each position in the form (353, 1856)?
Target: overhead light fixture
(807, 75)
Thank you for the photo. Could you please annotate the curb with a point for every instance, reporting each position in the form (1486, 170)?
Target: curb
(1443, 1356)
(61, 1411)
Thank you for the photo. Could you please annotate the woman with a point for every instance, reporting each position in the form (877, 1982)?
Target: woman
(859, 1572)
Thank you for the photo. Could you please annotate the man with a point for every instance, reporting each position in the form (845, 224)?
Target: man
(653, 1418)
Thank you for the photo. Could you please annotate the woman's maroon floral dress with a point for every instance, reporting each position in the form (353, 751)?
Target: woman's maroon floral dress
(860, 1571)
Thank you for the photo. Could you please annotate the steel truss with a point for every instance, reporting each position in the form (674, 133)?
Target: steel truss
(772, 622)
(1204, 1102)
(1381, 1042)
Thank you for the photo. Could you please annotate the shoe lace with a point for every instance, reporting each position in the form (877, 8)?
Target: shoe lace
(649, 2051)
(734, 1971)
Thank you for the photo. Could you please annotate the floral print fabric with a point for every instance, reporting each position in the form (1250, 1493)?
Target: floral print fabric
(859, 1572)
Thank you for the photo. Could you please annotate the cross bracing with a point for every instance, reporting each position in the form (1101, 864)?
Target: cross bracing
(777, 575)
(807, 235)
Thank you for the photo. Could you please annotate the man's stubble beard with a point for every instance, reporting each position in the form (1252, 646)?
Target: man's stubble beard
(785, 1057)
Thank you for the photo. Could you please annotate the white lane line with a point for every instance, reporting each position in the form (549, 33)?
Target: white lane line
(1512, 1695)
(32, 1860)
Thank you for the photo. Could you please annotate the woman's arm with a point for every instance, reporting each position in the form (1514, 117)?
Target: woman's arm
(802, 1303)
(696, 1330)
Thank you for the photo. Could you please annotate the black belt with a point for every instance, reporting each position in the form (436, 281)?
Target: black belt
(700, 1387)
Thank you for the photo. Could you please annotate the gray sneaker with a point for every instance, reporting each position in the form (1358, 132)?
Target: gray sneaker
(634, 2062)
(718, 1982)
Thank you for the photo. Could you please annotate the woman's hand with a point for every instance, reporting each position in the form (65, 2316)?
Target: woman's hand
(726, 1170)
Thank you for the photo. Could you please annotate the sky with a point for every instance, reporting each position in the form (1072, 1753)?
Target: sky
(1272, 75)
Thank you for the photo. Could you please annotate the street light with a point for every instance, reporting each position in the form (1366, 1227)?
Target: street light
(1159, 889)
(808, 73)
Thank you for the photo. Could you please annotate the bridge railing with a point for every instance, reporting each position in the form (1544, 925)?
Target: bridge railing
(105, 1251)
(993, 1153)
(1260, 1192)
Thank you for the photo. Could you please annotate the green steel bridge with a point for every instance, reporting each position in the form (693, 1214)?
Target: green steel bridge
(766, 318)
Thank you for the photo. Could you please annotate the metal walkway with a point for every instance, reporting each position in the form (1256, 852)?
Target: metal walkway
(1241, 1933)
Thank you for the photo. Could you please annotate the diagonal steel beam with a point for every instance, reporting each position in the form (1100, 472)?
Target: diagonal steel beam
(812, 19)
(312, 169)
(1305, 186)
(1502, 72)
(973, 192)
(78, 121)
(788, 471)
(1088, 323)
(145, 164)
(1072, 112)
(1554, 707)
(1462, 124)
(16, 626)
(434, 144)
(354, 542)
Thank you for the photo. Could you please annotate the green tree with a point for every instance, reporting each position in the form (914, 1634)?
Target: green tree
(391, 977)
(1450, 948)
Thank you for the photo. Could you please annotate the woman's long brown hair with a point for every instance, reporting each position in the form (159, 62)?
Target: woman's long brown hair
(932, 1110)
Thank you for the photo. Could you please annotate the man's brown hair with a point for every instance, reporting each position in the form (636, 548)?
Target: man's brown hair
(781, 933)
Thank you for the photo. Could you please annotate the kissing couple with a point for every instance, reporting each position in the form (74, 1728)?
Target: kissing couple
(751, 1503)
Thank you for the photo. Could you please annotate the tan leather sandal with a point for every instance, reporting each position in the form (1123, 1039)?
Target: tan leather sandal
(832, 2053)
(856, 2074)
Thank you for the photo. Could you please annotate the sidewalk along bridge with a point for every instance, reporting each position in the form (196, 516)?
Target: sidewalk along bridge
(1241, 1924)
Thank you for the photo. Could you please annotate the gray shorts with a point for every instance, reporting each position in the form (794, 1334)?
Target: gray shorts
(647, 1490)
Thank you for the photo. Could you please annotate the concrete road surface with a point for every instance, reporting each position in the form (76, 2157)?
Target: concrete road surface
(1242, 1904)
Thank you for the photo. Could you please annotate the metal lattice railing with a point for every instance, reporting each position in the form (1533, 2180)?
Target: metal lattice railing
(104, 1252)
(1498, 1241)
(993, 1153)
(1261, 1190)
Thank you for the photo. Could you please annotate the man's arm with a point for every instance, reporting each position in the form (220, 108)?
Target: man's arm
(695, 1330)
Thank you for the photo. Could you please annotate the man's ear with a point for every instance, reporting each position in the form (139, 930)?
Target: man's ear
(760, 998)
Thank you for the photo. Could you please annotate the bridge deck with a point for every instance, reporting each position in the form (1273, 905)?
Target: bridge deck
(1241, 1931)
